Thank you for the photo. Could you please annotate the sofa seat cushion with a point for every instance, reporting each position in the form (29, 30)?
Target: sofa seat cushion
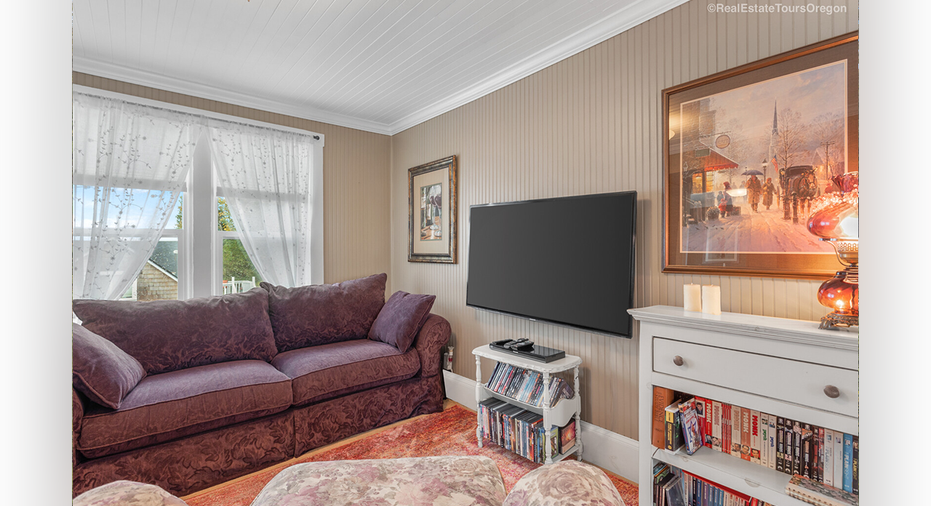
(323, 372)
(166, 406)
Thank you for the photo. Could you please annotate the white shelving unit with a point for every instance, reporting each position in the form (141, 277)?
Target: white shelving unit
(774, 365)
(559, 415)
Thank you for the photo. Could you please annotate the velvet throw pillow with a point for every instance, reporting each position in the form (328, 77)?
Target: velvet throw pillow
(100, 370)
(400, 320)
(312, 315)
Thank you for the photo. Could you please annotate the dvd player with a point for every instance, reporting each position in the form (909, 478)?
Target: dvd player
(536, 352)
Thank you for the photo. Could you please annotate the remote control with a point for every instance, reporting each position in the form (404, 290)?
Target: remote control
(521, 344)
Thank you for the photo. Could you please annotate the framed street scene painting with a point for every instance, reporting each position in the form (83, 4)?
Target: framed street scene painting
(432, 219)
(748, 151)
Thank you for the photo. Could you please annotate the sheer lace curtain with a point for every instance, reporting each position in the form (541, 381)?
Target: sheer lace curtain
(268, 178)
(130, 162)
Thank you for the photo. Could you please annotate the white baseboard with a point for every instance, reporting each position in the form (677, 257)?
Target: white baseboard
(605, 449)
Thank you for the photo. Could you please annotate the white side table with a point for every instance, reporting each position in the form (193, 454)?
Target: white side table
(559, 415)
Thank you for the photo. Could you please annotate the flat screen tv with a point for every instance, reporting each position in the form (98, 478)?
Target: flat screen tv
(567, 261)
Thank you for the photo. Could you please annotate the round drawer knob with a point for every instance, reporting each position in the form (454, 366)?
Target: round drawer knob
(832, 391)
(678, 361)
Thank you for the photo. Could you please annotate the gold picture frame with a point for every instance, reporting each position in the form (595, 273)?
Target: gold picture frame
(432, 204)
(746, 152)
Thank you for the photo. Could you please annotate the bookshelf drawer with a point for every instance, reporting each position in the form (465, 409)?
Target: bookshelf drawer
(784, 379)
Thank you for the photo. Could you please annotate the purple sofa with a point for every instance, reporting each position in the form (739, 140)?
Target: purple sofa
(189, 394)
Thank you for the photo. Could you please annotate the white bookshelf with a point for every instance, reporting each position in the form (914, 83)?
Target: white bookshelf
(559, 415)
(775, 365)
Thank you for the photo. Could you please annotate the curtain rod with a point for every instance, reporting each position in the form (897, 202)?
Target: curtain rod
(157, 104)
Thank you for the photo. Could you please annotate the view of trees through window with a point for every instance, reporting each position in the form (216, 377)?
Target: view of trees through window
(236, 262)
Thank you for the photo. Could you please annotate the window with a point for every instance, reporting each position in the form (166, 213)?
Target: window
(239, 273)
(201, 251)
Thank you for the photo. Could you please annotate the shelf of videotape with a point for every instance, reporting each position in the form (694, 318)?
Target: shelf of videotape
(527, 408)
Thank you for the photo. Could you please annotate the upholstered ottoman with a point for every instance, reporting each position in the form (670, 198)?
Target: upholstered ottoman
(437, 481)
(424, 481)
(566, 483)
(127, 493)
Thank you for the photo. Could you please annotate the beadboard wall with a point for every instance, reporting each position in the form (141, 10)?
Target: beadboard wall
(355, 180)
(591, 124)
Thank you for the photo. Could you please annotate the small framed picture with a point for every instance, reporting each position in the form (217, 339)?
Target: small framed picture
(433, 208)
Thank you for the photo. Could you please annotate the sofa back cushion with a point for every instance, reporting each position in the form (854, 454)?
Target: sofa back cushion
(321, 314)
(100, 370)
(167, 335)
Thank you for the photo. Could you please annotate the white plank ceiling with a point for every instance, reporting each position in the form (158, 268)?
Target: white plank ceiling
(376, 65)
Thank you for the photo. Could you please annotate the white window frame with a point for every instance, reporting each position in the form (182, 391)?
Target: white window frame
(200, 255)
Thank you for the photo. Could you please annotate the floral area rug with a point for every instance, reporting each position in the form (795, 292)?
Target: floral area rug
(450, 432)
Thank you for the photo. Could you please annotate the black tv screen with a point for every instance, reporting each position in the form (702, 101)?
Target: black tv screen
(568, 261)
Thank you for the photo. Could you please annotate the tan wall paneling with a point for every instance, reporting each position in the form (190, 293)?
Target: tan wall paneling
(355, 179)
(591, 124)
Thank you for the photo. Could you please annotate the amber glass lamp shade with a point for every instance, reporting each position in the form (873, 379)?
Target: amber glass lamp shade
(835, 219)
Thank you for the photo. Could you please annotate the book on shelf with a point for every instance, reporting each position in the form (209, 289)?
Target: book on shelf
(839, 460)
(754, 436)
(817, 453)
(661, 478)
(521, 431)
(527, 386)
(726, 428)
(745, 433)
(673, 492)
(854, 466)
(716, 440)
(784, 445)
(764, 439)
(797, 447)
(699, 491)
(819, 494)
(735, 431)
(703, 412)
(567, 437)
(772, 441)
(662, 397)
(848, 461)
(688, 421)
(673, 427)
(807, 463)
(780, 443)
(828, 460)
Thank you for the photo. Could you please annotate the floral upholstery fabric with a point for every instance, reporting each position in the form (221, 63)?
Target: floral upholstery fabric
(127, 493)
(566, 483)
(425, 481)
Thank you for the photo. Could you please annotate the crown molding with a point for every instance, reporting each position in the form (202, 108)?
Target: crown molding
(585, 38)
(166, 83)
(619, 22)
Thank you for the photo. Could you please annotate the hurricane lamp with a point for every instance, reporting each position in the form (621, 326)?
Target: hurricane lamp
(835, 218)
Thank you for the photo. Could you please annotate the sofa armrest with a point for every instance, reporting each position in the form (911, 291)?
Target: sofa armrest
(429, 344)
(77, 414)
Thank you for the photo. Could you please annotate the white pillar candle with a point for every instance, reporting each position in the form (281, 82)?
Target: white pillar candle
(692, 296)
(711, 299)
